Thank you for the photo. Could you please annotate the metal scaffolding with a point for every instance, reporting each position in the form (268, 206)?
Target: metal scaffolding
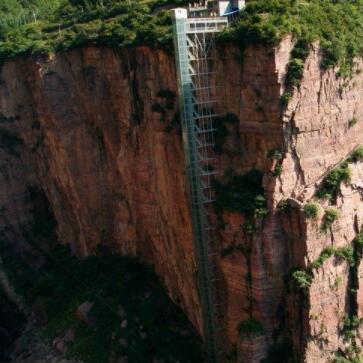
(195, 50)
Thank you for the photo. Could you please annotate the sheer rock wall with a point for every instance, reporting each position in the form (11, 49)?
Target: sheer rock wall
(91, 141)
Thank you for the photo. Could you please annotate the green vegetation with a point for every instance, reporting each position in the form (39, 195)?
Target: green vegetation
(285, 99)
(249, 227)
(302, 278)
(121, 289)
(357, 155)
(275, 154)
(242, 193)
(337, 25)
(330, 216)
(250, 327)
(325, 254)
(352, 352)
(350, 325)
(277, 170)
(311, 210)
(43, 26)
(340, 359)
(352, 122)
(331, 184)
(295, 67)
(295, 70)
(346, 253)
(283, 206)
(358, 240)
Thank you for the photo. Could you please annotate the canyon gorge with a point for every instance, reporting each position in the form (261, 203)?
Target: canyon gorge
(91, 149)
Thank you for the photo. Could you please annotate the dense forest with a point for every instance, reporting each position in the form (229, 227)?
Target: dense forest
(45, 26)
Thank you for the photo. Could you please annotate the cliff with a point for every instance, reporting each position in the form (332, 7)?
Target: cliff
(91, 151)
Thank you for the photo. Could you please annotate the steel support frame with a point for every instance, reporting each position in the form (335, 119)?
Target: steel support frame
(195, 48)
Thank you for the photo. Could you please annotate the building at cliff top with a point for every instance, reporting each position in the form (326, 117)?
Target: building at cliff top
(210, 8)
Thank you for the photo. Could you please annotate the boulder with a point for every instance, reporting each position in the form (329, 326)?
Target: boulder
(83, 313)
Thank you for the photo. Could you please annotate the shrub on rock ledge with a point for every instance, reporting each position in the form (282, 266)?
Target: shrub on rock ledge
(302, 278)
(331, 183)
(331, 215)
(357, 155)
(311, 210)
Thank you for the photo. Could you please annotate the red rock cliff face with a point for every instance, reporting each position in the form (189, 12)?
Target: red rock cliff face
(319, 135)
(112, 171)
